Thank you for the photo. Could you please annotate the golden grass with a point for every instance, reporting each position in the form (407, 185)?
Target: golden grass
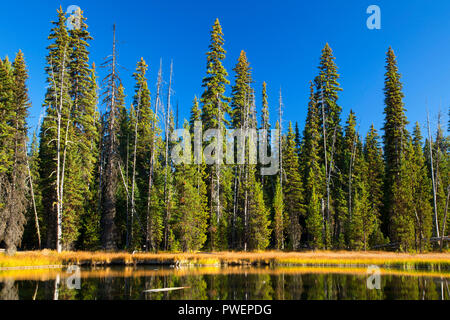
(275, 258)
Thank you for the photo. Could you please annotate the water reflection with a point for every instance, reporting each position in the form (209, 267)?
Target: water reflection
(299, 283)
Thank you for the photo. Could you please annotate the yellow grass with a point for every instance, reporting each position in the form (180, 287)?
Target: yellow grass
(275, 258)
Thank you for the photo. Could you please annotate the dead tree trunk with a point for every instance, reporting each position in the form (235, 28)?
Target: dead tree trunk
(445, 216)
(109, 179)
(166, 200)
(33, 201)
(149, 225)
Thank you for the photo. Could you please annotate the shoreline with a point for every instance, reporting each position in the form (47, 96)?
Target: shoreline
(51, 259)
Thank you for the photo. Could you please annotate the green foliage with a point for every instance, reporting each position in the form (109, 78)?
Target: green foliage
(395, 142)
(278, 224)
(14, 106)
(293, 190)
(117, 190)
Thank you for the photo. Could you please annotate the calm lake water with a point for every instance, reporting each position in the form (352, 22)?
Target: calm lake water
(291, 283)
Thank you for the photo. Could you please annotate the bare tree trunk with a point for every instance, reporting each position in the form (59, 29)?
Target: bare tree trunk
(235, 199)
(166, 200)
(350, 177)
(127, 202)
(445, 217)
(133, 184)
(280, 146)
(219, 153)
(149, 226)
(109, 183)
(280, 149)
(59, 174)
(36, 219)
(56, 287)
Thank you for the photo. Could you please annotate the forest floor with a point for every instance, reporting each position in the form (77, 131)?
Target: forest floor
(52, 259)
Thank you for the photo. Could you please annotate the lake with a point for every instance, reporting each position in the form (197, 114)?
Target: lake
(227, 283)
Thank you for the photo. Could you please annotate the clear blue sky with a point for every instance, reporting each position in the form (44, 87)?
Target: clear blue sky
(283, 41)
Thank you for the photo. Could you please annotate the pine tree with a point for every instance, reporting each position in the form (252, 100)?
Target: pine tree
(56, 134)
(90, 144)
(267, 181)
(293, 190)
(314, 218)
(81, 151)
(6, 131)
(363, 219)
(265, 118)
(241, 92)
(351, 174)
(242, 104)
(195, 115)
(143, 134)
(326, 95)
(215, 82)
(312, 175)
(14, 104)
(259, 223)
(441, 159)
(395, 138)
(191, 213)
(298, 140)
(421, 189)
(373, 156)
(278, 221)
(215, 108)
(402, 221)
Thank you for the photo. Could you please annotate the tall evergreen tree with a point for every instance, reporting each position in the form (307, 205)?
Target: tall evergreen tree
(293, 190)
(312, 174)
(259, 223)
(373, 155)
(90, 144)
(55, 136)
(403, 216)
(191, 213)
(395, 137)
(241, 92)
(421, 190)
(243, 103)
(81, 152)
(351, 171)
(6, 128)
(326, 95)
(215, 82)
(215, 109)
(143, 135)
(278, 221)
(14, 104)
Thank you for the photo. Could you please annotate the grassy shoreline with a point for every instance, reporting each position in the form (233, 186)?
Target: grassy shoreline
(270, 258)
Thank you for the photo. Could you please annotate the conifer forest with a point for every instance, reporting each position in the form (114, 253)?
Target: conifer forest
(99, 172)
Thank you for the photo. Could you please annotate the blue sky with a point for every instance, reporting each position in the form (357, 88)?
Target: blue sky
(283, 41)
